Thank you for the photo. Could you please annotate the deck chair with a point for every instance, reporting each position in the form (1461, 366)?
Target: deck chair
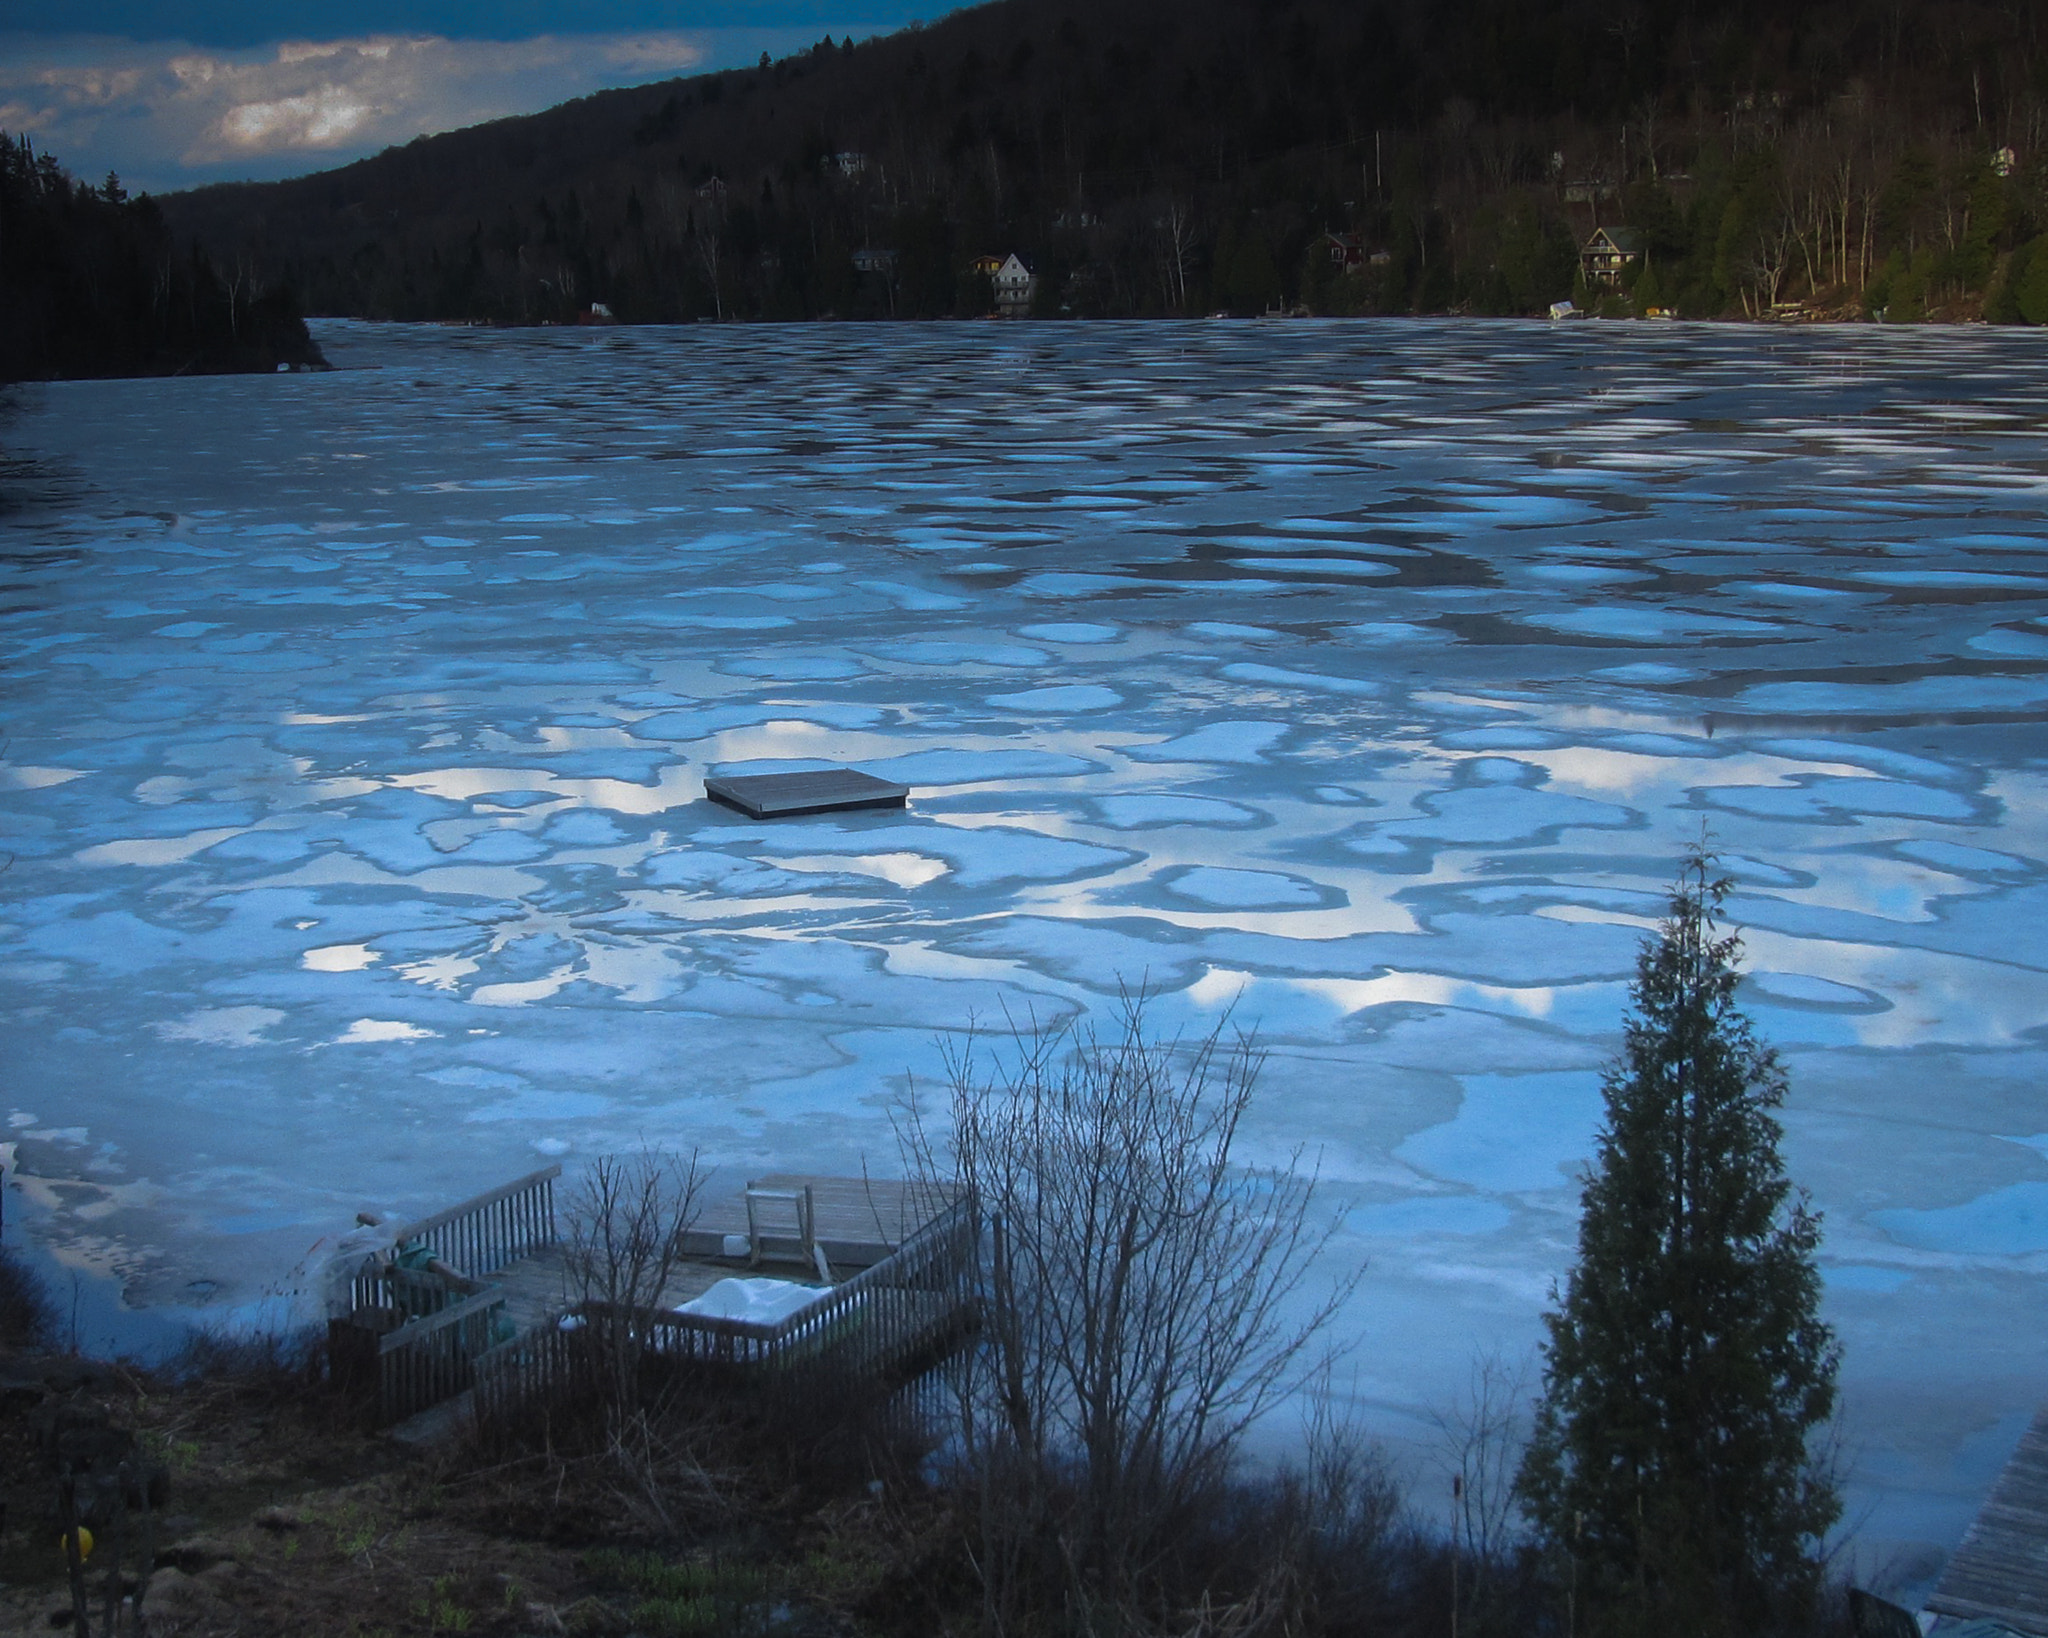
(799, 1225)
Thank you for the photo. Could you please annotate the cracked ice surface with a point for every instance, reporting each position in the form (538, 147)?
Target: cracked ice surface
(1368, 676)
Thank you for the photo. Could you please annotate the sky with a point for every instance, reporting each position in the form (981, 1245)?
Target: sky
(176, 95)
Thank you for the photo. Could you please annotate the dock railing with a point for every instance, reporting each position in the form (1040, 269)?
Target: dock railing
(480, 1236)
(877, 1323)
(432, 1359)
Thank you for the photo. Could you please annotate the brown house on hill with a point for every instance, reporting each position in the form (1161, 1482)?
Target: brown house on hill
(1610, 253)
(1345, 251)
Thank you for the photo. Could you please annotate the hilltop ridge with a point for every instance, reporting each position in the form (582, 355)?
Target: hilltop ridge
(1237, 154)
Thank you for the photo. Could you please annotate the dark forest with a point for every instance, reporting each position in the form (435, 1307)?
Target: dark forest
(1235, 155)
(93, 283)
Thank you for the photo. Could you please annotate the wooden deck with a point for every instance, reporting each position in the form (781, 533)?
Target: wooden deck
(786, 795)
(892, 1250)
(857, 1221)
(2000, 1571)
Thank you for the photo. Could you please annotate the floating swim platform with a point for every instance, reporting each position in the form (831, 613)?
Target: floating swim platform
(784, 795)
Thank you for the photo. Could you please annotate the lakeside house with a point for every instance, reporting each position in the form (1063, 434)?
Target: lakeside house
(1016, 283)
(1609, 253)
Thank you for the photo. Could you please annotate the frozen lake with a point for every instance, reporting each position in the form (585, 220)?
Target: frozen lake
(1371, 676)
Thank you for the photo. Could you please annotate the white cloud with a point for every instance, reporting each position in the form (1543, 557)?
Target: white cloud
(168, 115)
(326, 117)
(333, 95)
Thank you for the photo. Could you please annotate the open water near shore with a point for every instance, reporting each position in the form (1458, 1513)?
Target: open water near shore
(1369, 677)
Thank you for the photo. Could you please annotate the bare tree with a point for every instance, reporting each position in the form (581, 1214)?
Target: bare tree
(1483, 1431)
(626, 1222)
(1176, 252)
(706, 231)
(1143, 1302)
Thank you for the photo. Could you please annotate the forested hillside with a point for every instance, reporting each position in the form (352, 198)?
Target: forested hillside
(93, 283)
(1181, 156)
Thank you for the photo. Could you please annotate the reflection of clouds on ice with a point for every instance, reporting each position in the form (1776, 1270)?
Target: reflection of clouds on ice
(2004, 1222)
(1312, 682)
(1493, 811)
(1140, 810)
(1071, 631)
(1819, 798)
(1654, 625)
(1512, 1133)
(223, 1026)
(979, 856)
(1429, 1215)
(1959, 860)
(1064, 698)
(1218, 742)
(1804, 990)
(365, 1030)
(1864, 1277)
(1272, 677)
(1241, 889)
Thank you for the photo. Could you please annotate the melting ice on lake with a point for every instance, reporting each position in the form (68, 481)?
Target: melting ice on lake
(1366, 677)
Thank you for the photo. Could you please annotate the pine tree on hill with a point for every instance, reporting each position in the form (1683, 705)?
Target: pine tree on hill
(92, 283)
(1687, 1367)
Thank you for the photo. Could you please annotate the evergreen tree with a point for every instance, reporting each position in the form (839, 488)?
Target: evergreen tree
(91, 284)
(1687, 1366)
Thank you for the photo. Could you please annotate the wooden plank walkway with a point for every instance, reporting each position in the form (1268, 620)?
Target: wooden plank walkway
(857, 1221)
(785, 795)
(2000, 1571)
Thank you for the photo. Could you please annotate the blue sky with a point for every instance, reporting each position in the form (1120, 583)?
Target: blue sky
(174, 95)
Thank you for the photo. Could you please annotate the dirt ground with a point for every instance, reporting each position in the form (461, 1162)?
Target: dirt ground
(285, 1516)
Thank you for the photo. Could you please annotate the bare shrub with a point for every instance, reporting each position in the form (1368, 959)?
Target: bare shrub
(1303, 1548)
(1143, 1302)
(626, 1221)
(1483, 1430)
(28, 1318)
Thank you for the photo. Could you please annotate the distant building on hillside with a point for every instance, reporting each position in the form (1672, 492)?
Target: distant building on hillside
(1016, 284)
(1346, 251)
(871, 259)
(988, 266)
(850, 163)
(1609, 254)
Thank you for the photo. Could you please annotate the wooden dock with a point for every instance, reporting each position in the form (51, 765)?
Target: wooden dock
(857, 1221)
(887, 1258)
(2000, 1570)
(786, 795)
